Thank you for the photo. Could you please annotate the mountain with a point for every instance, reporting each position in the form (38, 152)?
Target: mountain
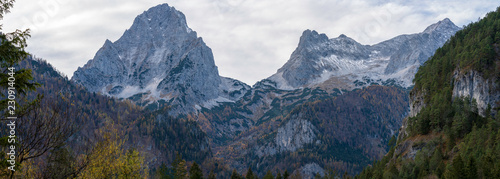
(452, 130)
(322, 68)
(252, 124)
(322, 109)
(344, 63)
(92, 117)
(159, 60)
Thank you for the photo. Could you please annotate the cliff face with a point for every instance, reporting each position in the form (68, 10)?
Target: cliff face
(290, 137)
(159, 60)
(470, 85)
(473, 86)
(416, 105)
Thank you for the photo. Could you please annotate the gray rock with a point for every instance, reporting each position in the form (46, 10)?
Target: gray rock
(310, 170)
(471, 85)
(305, 63)
(160, 58)
(317, 58)
(417, 48)
(291, 136)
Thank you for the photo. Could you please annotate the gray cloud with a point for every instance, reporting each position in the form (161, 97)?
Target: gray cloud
(250, 39)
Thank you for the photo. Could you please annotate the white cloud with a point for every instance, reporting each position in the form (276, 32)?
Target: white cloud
(250, 39)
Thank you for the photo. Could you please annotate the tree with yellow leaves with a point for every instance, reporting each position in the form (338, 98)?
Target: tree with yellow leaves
(108, 159)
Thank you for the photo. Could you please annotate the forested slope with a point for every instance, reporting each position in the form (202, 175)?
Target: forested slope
(454, 128)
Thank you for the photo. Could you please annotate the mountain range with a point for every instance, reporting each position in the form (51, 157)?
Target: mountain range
(333, 98)
(160, 60)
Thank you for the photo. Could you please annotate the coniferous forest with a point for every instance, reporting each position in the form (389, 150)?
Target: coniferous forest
(453, 138)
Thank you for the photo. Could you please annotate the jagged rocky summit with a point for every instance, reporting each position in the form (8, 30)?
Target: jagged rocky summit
(342, 62)
(159, 60)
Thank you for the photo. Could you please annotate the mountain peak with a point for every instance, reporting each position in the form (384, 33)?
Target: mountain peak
(310, 37)
(442, 26)
(159, 58)
(158, 23)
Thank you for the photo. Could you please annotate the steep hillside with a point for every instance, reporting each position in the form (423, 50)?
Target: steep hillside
(345, 133)
(453, 128)
(156, 136)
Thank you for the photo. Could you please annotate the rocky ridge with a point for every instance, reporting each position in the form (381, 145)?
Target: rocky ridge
(318, 60)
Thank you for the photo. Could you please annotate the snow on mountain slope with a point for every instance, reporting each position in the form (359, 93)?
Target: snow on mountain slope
(159, 59)
(318, 59)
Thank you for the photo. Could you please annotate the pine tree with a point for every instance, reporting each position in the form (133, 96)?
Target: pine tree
(458, 166)
(195, 171)
(250, 174)
(211, 175)
(180, 168)
(268, 175)
(435, 160)
(471, 170)
(278, 175)
(236, 175)
(164, 172)
(286, 174)
(12, 52)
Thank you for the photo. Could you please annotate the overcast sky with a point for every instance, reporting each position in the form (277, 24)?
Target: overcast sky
(250, 39)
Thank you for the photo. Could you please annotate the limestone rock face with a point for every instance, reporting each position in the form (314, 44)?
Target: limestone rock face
(291, 136)
(473, 86)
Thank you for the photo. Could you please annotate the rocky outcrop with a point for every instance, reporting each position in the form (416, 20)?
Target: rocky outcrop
(417, 102)
(471, 84)
(468, 84)
(293, 135)
(310, 170)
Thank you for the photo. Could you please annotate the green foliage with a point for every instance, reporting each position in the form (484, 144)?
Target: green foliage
(435, 160)
(286, 174)
(179, 167)
(250, 174)
(236, 175)
(268, 175)
(472, 48)
(164, 172)
(211, 175)
(195, 172)
(278, 175)
(467, 144)
(392, 141)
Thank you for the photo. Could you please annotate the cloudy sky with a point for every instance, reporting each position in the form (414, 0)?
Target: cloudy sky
(250, 39)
